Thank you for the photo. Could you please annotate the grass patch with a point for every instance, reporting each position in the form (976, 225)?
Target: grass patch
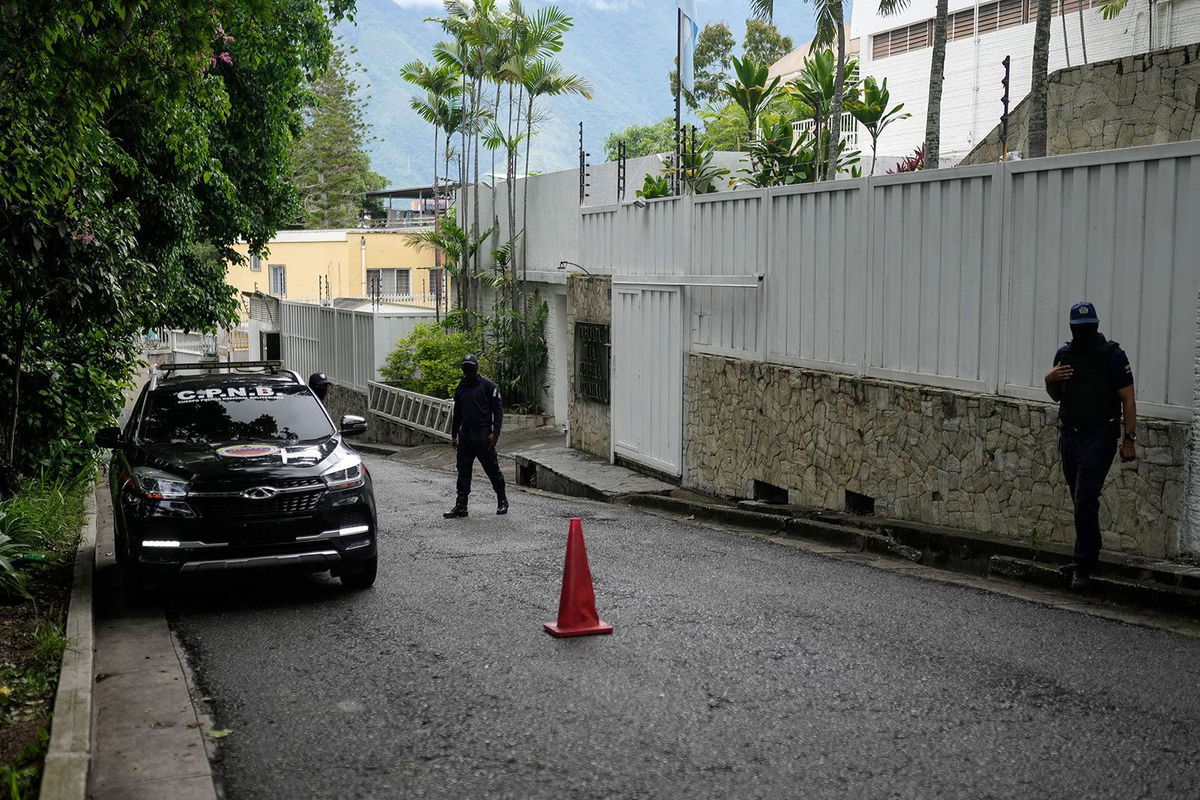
(39, 533)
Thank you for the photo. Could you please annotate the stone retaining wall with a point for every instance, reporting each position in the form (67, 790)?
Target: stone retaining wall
(344, 400)
(930, 455)
(589, 299)
(1150, 98)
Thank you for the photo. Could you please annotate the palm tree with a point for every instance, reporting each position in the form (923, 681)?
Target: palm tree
(873, 113)
(459, 248)
(475, 26)
(937, 75)
(751, 90)
(831, 29)
(441, 84)
(543, 78)
(1041, 81)
(815, 87)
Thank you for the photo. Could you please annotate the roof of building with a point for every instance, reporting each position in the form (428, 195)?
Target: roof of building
(793, 62)
(412, 192)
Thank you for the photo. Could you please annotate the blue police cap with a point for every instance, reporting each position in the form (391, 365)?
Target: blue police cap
(1084, 314)
(470, 359)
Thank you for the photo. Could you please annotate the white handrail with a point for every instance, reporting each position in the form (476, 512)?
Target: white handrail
(431, 415)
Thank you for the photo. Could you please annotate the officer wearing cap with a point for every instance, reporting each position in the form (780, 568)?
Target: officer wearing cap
(1093, 384)
(475, 427)
(319, 385)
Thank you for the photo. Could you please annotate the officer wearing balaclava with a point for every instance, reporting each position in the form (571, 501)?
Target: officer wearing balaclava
(1093, 384)
(475, 427)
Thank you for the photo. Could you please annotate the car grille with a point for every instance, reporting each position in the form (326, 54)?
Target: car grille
(234, 509)
(293, 483)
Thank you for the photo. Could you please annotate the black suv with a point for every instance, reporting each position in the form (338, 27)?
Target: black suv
(238, 469)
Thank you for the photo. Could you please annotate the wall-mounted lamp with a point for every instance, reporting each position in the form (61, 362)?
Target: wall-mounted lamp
(640, 203)
(565, 264)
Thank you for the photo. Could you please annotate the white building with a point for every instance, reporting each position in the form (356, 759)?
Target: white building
(979, 36)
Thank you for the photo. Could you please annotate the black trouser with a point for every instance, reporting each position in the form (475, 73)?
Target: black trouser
(1087, 454)
(473, 444)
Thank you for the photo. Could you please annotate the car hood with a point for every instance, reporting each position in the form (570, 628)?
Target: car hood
(244, 460)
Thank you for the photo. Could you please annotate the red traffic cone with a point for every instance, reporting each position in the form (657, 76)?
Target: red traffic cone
(577, 605)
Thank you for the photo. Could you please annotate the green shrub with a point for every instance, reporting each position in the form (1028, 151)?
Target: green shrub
(429, 360)
(40, 522)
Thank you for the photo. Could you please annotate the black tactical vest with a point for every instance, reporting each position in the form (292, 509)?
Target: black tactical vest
(1089, 397)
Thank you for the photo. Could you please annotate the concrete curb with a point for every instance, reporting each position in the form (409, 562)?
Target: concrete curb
(68, 758)
(1121, 579)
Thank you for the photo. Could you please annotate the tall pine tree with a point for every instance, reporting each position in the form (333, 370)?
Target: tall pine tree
(332, 172)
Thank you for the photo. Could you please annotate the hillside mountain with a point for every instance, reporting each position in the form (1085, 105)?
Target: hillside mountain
(624, 47)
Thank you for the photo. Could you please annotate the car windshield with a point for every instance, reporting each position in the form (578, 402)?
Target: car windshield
(245, 413)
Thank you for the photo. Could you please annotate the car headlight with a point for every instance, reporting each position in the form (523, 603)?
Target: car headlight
(159, 485)
(345, 475)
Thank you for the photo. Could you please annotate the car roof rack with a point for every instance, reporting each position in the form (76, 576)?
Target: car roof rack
(272, 366)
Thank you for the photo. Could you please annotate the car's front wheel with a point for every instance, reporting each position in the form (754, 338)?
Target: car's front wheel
(363, 576)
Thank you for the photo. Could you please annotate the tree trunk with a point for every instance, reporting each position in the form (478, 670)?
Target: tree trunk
(1037, 95)
(525, 192)
(525, 251)
(464, 164)
(437, 218)
(511, 176)
(471, 270)
(937, 74)
(440, 290)
(8, 470)
(839, 81)
(1066, 44)
(1082, 34)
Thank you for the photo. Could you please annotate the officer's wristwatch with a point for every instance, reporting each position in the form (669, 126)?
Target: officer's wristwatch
(1131, 437)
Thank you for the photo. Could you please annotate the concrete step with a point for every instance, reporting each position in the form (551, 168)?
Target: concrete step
(1142, 593)
(570, 472)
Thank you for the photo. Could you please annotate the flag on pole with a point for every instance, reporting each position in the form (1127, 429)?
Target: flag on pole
(687, 43)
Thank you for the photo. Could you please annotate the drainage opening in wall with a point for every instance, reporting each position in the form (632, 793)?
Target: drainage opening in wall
(769, 493)
(527, 474)
(859, 503)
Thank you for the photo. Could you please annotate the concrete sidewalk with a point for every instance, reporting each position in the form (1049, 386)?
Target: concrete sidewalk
(149, 740)
(538, 459)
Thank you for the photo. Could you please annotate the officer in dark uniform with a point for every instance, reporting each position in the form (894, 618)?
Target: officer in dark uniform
(319, 385)
(1093, 384)
(478, 415)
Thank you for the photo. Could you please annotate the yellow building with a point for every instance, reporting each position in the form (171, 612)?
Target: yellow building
(314, 264)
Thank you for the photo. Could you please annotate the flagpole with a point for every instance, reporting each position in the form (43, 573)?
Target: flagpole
(678, 87)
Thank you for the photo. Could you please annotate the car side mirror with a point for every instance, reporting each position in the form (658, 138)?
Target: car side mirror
(109, 437)
(353, 425)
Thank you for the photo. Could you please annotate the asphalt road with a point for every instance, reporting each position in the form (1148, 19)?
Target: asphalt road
(739, 669)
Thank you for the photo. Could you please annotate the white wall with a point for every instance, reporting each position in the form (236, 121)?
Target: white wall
(971, 92)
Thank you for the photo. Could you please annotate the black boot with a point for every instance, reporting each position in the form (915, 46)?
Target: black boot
(459, 510)
(501, 505)
(1080, 580)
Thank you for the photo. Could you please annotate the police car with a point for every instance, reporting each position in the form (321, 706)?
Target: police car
(238, 467)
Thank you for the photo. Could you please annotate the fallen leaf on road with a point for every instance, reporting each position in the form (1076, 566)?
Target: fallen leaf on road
(219, 734)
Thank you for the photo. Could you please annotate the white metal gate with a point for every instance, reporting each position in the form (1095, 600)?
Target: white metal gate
(647, 379)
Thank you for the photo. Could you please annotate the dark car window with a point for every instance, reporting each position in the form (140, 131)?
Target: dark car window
(268, 412)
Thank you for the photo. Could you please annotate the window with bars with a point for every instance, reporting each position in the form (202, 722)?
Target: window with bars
(592, 353)
(389, 281)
